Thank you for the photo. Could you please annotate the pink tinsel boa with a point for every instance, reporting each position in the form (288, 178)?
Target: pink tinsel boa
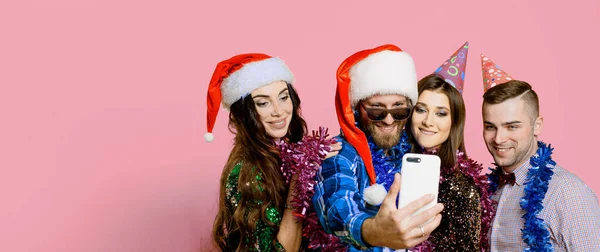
(473, 169)
(303, 159)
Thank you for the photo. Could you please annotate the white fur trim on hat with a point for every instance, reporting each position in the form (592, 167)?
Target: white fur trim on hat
(251, 76)
(385, 72)
(375, 194)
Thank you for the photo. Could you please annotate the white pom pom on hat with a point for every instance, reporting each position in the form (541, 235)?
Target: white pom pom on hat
(375, 194)
(209, 137)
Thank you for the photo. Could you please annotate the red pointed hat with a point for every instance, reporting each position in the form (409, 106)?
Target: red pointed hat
(454, 68)
(492, 73)
(382, 70)
(237, 77)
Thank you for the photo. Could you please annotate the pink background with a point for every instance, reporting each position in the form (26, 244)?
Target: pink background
(103, 102)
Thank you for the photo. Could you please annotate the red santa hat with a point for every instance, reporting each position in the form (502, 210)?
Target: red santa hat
(237, 77)
(382, 70)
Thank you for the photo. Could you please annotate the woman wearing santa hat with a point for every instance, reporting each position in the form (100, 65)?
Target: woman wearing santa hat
(437, 127)
(256, 211)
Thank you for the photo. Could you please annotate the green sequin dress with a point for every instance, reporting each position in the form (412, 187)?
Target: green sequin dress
(263, 238)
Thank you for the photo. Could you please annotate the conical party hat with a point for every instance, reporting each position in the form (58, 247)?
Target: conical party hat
(453, 69)
(492, 73)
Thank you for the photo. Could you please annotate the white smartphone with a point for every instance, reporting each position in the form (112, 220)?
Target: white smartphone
(420, 176)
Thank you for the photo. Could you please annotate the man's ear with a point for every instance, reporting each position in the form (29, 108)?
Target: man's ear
(538, 125)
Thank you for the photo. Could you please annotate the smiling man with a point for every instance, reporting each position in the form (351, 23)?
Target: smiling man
(376, 88)
(541, 206)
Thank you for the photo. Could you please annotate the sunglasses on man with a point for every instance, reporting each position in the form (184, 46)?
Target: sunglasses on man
(378, 114)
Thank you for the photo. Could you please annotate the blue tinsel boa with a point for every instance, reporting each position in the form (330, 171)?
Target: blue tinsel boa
(535, 234)
(384, 164)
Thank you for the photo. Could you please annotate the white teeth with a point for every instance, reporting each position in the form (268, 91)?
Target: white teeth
(427, 132)
(386, 129)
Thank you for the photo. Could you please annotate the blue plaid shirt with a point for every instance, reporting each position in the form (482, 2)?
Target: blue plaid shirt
(338, 198)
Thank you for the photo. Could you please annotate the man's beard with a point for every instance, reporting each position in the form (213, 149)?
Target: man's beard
(382, 140)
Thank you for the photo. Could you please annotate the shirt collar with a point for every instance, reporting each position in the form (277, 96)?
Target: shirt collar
(521, 173)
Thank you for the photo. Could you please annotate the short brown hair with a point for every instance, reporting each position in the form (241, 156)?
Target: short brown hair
(514, 88)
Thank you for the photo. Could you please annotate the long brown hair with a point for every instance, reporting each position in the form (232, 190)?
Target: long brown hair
(456, 139)
(254, 149)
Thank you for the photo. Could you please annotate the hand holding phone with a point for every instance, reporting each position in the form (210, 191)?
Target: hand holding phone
(420, 176)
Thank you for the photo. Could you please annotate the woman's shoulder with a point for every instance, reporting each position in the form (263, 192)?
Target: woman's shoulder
(468, 166)
(233, 178)
(231, 188)
(467, 173)
(235, 172)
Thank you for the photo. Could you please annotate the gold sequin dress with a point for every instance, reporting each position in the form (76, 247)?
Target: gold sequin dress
(460, 227)
(468, 209)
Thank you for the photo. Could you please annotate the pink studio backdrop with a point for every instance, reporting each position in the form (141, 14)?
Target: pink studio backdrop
(103, 102)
